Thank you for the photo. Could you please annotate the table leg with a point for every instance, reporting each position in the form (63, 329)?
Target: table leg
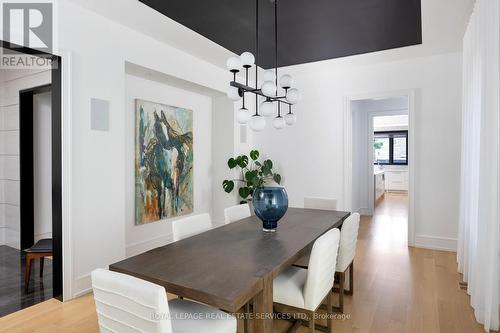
(263, 307)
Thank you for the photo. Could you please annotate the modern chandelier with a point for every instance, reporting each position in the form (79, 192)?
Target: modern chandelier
(274, 100)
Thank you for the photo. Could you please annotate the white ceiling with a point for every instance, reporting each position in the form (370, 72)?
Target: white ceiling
(443, 26)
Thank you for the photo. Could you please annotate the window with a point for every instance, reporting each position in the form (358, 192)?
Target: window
(391, 147)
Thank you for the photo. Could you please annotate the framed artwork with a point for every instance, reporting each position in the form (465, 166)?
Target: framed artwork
(163, 161)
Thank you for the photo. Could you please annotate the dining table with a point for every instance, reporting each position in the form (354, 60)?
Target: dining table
(228, 266)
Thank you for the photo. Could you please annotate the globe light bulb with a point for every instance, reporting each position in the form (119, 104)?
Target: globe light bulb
(269, 89)
(267, 108)
(243, 116)
(286, 81)
(233, 64)
(247, 59)
(290, 119)
(279, 122)
(233, 94)
(269, 75)
(293, 96)
(257, 123)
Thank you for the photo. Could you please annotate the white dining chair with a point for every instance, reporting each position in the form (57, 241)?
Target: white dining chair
(190, 226)
(128, 304)
(235, 213)
(345, 259)
(315, 203)
(320, 203)
(306, 289)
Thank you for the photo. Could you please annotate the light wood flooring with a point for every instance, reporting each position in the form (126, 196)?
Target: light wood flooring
(396, 288)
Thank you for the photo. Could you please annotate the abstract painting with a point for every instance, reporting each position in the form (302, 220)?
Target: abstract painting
(163, 161)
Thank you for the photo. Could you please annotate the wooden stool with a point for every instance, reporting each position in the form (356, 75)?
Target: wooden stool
(42, 249)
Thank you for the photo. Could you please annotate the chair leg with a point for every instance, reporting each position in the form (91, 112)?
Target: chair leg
(351, 278)
(341, 291)
(311, 322)
(27, 272)
(41, 266)
(329, 312)
(246, 318)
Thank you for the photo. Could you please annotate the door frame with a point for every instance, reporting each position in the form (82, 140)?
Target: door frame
(57, 223)
(371, 156)
(26, 162)
(348, 150)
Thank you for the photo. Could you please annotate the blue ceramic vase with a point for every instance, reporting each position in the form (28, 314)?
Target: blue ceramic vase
(270, 203)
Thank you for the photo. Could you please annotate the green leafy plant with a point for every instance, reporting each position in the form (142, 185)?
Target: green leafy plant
(253, 174)
(378, 145)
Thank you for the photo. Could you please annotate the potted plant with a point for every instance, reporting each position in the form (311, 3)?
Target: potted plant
(260, 185)
(377, 146)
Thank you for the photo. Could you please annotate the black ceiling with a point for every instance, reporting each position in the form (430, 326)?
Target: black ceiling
(308, 30)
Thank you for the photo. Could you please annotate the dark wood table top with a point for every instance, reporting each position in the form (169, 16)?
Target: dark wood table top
(224, 267)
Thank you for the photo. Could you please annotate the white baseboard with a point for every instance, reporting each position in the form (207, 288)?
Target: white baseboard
(82, 292)
(11, 237)
(148, 244)
(436, 243)
(364, 211)
(82, 285)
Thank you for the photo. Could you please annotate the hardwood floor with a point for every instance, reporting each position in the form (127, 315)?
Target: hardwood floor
(396, 289)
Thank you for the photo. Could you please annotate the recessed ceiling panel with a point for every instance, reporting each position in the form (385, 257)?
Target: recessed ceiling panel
(308, 30)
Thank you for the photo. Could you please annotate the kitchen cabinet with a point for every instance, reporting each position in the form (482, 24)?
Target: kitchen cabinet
(379, 185)
(396, 180)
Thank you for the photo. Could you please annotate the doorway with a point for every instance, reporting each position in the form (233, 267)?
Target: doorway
(33, 158)
(379, 157)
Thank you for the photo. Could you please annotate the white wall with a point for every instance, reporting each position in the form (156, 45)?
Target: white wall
(360, 160)
(145, 237)
(42, 165)
(241, 142)
(95, 192)
(222, 149)
(318, 136)
(11, 82)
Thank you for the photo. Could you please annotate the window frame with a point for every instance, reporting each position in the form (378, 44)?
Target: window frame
(390, 135)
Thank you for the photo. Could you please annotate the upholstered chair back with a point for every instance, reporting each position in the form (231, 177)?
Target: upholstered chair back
(321, 269)
(235, 213)
(348, 238)
(191, 225)
(127, 304)
(320, 203)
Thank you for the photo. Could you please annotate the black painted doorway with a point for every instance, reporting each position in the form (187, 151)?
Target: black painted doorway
(26, 162)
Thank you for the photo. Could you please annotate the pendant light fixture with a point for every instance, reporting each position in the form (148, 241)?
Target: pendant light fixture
(274, 100)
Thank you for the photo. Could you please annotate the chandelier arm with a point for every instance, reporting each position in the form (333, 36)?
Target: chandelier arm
(256, 55)
(276, 45)
(258, 92)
